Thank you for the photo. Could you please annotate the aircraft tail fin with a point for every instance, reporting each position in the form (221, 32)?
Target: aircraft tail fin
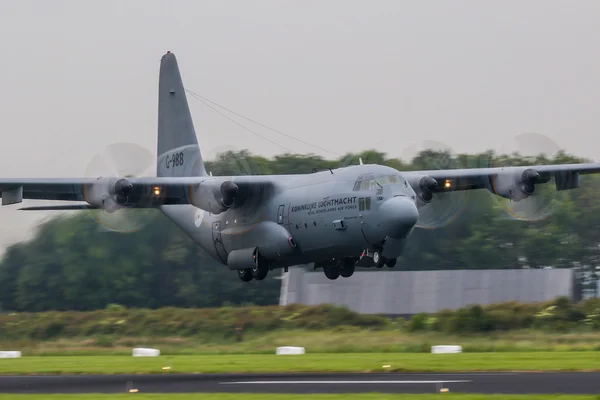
(178, 150)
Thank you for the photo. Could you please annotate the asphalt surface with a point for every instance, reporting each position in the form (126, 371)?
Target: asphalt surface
(507, 383)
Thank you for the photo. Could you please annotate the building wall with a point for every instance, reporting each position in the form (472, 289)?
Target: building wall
(411, 292)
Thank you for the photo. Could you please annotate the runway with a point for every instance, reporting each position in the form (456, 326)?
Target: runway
(506, 383)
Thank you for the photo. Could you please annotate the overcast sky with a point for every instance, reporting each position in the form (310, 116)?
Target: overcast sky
(77, 76)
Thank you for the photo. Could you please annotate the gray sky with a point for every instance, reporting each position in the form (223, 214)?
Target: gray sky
(77, 76)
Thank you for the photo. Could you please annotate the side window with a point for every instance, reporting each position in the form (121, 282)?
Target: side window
(367, 203)
(361, 204)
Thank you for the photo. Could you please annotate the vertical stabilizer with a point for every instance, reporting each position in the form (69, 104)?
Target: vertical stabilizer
(178, 150)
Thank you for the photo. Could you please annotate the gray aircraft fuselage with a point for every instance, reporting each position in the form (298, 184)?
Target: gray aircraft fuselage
(331, 218)
(311, 218)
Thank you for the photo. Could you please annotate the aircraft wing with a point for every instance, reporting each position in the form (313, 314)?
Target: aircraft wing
(132, 192)
(510, 182)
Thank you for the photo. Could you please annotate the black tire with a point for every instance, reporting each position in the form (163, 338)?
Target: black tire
(378, 260)
(245, 275)
(391, 263)
(347, 272)
(347, 269)
(331, 272)
(260, 272)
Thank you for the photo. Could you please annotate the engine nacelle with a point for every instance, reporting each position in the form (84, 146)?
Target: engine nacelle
(426, 187)
(109, 194)
(516, 184)
(213, 196)
(423, 186)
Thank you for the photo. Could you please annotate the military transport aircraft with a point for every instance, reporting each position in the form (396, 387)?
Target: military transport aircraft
(254, 224)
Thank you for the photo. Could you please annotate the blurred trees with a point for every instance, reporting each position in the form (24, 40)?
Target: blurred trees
(212, 325)
(73, 263)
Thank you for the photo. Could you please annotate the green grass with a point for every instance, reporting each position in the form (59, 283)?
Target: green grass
(342, 340)
(237, 396)
(368, 362)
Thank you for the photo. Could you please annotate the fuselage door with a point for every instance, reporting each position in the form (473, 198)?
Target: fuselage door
(280, 212)
(218, 241)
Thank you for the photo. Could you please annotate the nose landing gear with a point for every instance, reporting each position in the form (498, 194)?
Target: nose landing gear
(375, 259)
(378, 260)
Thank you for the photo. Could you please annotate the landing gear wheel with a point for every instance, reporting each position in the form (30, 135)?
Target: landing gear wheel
(378, 261)
(261, 266)
(347, 269)
(391, 263)
(260, 271)
(347, 272)
(245, 275)
(331, 272)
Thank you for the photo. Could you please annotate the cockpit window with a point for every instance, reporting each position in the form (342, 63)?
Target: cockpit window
(387, 180)
(370, 182)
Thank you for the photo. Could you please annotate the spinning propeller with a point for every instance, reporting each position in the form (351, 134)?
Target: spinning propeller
(544, 198)
(443, 208)
(124, 160)
(233, 162)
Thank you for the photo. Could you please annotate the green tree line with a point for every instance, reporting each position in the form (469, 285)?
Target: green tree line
(73, 263)
(558, 315)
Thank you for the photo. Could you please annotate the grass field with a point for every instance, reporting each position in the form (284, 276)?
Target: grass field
(237, 396)
(343, 340)
(255, 363)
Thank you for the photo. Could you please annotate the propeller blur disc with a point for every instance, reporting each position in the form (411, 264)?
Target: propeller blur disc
(534, 148)
(444, 208)
(123, 160)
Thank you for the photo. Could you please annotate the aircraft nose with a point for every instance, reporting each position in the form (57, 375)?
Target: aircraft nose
(399, 216)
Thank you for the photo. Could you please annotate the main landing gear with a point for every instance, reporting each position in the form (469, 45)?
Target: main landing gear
(345, 267)
(333, 270)
(245, 275)
(259, 272)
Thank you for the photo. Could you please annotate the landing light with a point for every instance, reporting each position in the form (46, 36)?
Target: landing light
(447, 184)
(157, 191)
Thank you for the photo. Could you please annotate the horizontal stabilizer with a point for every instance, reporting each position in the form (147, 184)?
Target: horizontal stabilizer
(59, 208)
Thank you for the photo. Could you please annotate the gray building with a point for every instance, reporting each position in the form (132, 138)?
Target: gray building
(410, 292)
